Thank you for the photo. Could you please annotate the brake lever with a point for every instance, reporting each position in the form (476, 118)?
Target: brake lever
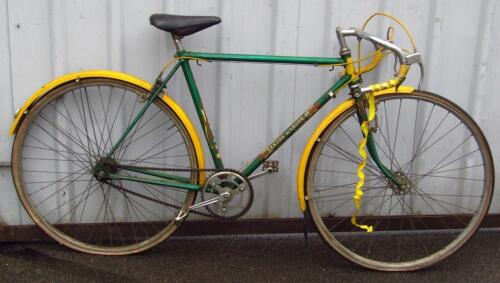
(416, 58)
(422, 74)
(395, 64)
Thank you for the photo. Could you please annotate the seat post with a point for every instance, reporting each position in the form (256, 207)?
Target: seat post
(178, 42)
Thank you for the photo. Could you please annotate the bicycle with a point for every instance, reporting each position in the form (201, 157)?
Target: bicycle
(106, 163)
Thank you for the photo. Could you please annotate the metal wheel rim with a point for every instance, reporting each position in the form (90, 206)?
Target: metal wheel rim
(60, 236)
(446, 250)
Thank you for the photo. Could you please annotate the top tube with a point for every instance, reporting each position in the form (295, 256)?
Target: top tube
(272, 59)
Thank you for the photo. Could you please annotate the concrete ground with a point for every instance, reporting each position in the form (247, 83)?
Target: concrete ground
(255, 258)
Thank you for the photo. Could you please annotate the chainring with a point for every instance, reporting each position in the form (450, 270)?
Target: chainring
(240, 190)
(205, 194)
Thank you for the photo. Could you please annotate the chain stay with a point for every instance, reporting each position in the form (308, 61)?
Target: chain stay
(171, 170)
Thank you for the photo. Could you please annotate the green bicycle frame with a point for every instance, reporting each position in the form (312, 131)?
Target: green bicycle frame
(184, 183)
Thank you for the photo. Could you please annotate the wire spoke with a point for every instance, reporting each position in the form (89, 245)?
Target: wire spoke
(436, 143)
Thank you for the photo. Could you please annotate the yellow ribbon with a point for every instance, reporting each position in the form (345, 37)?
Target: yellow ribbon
(358, 193)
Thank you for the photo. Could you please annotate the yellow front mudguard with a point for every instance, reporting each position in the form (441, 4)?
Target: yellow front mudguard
(121, 77)
(301, 171)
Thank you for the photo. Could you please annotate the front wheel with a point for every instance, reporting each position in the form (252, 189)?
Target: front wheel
(430, 144)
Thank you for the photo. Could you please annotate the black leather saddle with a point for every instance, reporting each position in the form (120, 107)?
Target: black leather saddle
(182, 25)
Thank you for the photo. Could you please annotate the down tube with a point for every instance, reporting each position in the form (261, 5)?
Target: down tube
(295, 126)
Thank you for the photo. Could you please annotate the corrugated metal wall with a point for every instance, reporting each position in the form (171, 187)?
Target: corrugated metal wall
(40, 40)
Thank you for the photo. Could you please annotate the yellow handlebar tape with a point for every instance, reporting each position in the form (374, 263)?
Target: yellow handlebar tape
(358, 193)
(403, 71)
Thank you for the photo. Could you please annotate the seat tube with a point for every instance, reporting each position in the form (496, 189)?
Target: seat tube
(200, 110)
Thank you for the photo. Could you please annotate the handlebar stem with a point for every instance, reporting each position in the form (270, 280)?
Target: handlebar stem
(344, 50)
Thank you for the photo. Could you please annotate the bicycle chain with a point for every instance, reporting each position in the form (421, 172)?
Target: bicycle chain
(169, 170)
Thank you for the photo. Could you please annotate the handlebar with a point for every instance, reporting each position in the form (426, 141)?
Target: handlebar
(405, 61)
(377, 42)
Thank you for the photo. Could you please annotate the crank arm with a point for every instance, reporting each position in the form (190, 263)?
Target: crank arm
(218, 198)
(184, 212)
(260, 174)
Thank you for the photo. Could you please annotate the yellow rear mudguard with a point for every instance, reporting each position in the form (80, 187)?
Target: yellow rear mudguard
(121, 77)
(301, 171)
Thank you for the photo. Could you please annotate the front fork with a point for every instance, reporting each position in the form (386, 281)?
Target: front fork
(361, 103)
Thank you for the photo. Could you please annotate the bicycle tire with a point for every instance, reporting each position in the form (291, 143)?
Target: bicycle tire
(66, 132)
(415, 228)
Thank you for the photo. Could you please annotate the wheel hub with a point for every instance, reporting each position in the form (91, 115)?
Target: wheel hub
(103, 167)
(406, 185)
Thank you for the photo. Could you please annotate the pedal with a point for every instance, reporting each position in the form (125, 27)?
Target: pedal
(182, 214)
(271, 166)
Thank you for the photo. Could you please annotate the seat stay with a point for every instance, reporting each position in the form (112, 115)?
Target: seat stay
(152, 96)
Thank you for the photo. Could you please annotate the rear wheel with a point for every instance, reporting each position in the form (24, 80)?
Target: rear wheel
(428, 142)
(62, 138)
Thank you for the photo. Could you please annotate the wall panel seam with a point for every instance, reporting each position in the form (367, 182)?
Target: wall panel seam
(9, 50)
